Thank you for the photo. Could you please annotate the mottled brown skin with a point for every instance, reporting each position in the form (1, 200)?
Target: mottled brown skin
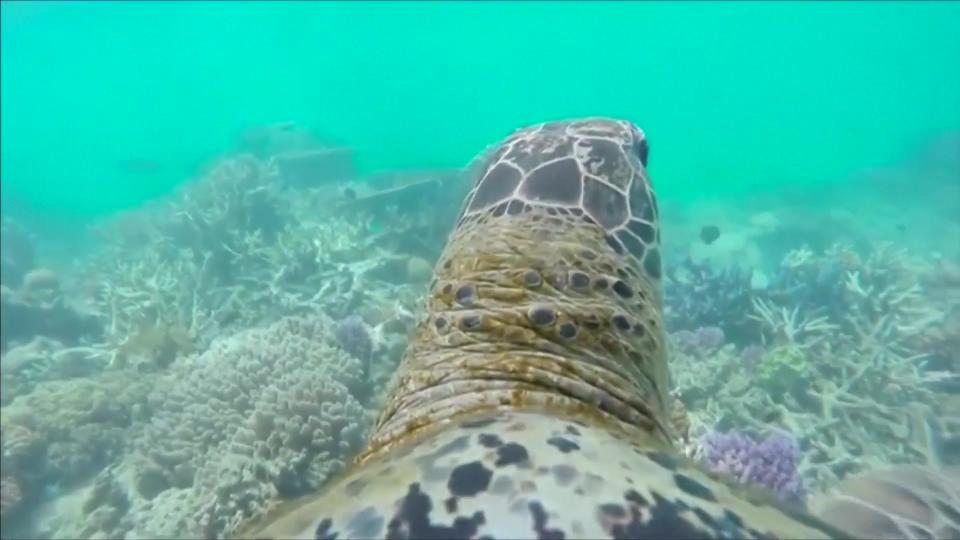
(532, 400)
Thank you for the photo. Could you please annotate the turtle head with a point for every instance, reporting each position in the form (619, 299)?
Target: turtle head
(593, 168)
(547, 294)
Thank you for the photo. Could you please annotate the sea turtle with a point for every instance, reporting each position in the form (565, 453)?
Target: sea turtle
(532, 401)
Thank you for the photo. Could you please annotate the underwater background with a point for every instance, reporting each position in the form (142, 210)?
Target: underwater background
(198, 197)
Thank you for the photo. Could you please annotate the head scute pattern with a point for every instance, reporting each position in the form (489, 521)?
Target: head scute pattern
(592, 169)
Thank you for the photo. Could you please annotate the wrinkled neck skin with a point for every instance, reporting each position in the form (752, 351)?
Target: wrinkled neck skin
(523, 317)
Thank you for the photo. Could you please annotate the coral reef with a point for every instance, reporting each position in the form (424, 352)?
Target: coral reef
(235, 248)
(65, 432)
(38, 309)
(697, 296)
(36, 313)
(702, 339)
(265, 414)
(44, 359)
(941, 340)
(770, 462)
(222, 350)
(234, 423)
(353, 336)
(847, 374)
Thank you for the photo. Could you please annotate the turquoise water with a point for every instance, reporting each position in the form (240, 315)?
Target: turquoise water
(193, 332)
(735, 97)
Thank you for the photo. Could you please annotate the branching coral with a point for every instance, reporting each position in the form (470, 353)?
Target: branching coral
(889, 314)
(780, 326)
(782, 369)
(178, 265)
(844, 373)
(701, 375)
(229, 251)
(811, 282)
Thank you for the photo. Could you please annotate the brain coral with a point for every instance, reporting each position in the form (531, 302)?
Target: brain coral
(264, 414)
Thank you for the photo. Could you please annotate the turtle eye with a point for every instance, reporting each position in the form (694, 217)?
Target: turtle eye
(642, 149)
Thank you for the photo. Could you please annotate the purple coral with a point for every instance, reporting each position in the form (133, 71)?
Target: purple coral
(698, 296)
(771, 463)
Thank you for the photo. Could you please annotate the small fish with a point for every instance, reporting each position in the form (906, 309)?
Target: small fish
(349, 194)
(901, 227)
(709, 233)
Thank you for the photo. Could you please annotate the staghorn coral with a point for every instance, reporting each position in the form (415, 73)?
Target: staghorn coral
(854, 387)
(811, 282)
(784, 327)
(846, 412)
(699, 374)
(887, 304)
(875, 297)
(265, 414)
(942, 343)
(158, 258)
(231, 250)
(782, 369)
